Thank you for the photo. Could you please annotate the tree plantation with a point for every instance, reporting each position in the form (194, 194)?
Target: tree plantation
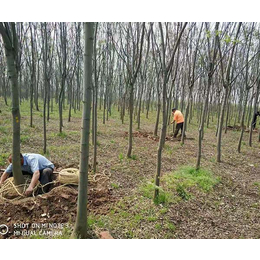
(130, 130)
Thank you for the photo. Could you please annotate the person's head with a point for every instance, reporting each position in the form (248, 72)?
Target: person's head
(10, 158)
(173, 110)
(258, 113)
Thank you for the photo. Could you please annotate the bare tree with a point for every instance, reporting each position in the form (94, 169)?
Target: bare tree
(131, 54)
(166, 69)
(226, 81)
(212, 53)
(9, 36)
(80, 230)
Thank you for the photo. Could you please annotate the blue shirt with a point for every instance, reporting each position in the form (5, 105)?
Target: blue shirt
(33, 162)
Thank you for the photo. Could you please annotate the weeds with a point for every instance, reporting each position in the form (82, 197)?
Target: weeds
(3, 130)
(133, 157)
(182, 192)
(62, 135)
(3, 159)
(257, 184)
(187, 177)
(171, 226)
(121, 157)
(152, 218)
(148, 192)
(114, 185)
(24, 138)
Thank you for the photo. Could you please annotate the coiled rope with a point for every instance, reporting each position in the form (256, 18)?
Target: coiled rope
(70, 176)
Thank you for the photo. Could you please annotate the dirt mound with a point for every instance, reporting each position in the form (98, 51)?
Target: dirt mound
(57, 206)
(234, 127)
(238, 128)
(150, 135)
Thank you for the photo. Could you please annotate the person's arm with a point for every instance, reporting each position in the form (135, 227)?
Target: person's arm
(35, 178)
(174, 118)
(4, 176)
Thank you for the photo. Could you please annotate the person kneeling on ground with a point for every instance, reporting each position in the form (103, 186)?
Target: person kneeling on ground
(178, 117)
(32, 164)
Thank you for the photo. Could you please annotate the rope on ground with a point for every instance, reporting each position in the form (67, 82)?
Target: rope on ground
(70, 176)
(9, 189)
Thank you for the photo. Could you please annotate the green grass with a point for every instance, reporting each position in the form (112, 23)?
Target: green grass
(6, 140)
(3, 130)
(148, 190)
(121, 157)
(152, 218)
(158, 226)
(3, 159)
(171, 226)
(181, 190)
(114, 185)
(257, 184)
(133, 157)
(91, 220)
(186, 177)
(24, 138)
(212, 159)
(168, 149)
(95, 221)
(131, 214)
(138, 218)
(163, 210)
(62, 135)
(177, 185)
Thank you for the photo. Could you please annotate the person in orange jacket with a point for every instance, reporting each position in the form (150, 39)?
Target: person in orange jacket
(179, 119)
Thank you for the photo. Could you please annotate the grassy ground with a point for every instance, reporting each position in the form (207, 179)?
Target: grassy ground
(219, 201)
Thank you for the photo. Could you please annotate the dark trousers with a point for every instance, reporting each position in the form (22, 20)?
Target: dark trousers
(254, 120)
(178, 127)
(45, 177)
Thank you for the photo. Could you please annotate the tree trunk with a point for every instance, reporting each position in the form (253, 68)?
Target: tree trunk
(130, 137)
(161, 142)
(60, 106)
(139, 109)
(44, 120)
(186, 115)
(11, 53)
(95, 106)
(220, 126)
(155, 133)
(255, 110)
(80, 230)
(242, 123)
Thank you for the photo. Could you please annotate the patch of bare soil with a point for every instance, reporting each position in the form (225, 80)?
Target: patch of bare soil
(151, 136)
(57, 206)
(238, 128)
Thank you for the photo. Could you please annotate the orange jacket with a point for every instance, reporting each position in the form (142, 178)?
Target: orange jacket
(178, 117)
